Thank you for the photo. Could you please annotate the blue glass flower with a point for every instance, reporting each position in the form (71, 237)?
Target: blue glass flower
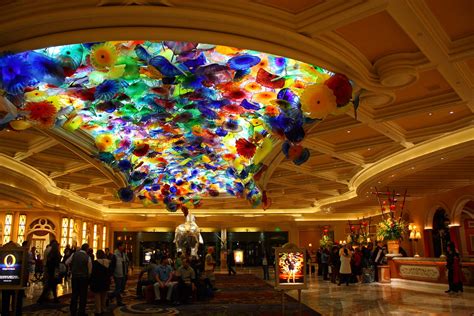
(15, 74)
(107, 90)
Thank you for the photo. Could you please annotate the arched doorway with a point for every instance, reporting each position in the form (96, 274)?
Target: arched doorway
(40, 233)
(440, 232)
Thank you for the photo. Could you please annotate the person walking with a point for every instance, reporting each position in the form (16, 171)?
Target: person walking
(231, 262)
(453, 264)
(119, 266)
(100, 281)
(81, 267)
(266, 275)
(51, 273)
(345, 269)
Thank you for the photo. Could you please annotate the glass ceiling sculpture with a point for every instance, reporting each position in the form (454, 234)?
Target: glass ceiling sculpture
(181, 121)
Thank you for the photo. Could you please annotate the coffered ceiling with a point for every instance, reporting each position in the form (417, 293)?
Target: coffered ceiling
(414, 60)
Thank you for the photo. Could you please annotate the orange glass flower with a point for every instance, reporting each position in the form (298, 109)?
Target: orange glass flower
(103, 56)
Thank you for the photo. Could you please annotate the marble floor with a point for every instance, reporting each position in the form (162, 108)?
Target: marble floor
(398, 298)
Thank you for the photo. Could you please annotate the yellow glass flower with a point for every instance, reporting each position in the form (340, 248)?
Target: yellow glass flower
(103, 56)
(105, 142)
(317, 101)
(264, 97)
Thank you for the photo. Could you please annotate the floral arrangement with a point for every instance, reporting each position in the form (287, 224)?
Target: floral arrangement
(358, 235)
(391, 227)
(325, 241)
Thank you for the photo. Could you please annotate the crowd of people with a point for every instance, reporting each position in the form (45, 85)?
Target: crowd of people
(344, 264)
(168, 279)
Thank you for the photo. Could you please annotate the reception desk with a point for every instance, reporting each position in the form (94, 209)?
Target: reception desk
(427, 269)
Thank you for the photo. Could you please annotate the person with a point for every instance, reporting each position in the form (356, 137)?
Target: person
(231, 262)
(325, 264)
(357, 264)
(108, 254)
(119, 267)
(453, 264)
(318, 261)
(150, 270)
(335, 263)
(179, 260)
(81, 267)
(100, 281)
(266, 275)
(209, 266)
(51, 279)
(38, 268)
(164, 274)
(90, 253)
(31, 262)
(345, 269)
(186, 283)
(66, 255)
(377, 258)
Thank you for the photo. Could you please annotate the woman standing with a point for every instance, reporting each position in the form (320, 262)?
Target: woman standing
(100, 281)
(453, 265)
(51, 272)
(345, 270)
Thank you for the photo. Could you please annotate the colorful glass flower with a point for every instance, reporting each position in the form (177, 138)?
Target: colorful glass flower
(103, 56)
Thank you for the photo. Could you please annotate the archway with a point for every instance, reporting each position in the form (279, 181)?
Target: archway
(41, 232)
(440, 233)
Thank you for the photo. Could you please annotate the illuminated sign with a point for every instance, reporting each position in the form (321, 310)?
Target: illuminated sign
(239, 256)
(11, 267)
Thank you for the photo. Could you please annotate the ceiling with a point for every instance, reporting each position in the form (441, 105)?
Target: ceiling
(414, 126)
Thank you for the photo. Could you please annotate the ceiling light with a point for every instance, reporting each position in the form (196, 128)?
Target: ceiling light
(369, 148)
(380, 182)
(430, 114)
(348, 132)
(392, 175)
(412, 168)
(442, 158)
(451, 112)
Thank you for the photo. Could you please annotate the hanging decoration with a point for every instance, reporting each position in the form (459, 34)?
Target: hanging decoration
(180, 120)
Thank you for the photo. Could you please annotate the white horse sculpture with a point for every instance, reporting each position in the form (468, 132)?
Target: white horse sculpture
(188, 236)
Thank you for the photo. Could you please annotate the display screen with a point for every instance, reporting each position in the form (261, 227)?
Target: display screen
(10, 267)
(291, 267)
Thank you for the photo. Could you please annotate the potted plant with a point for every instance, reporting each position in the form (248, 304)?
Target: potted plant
(391, 228)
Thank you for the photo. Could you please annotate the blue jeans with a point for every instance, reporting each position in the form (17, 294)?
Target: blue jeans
(119, 287)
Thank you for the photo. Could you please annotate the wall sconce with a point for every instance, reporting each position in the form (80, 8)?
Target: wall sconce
(415, 235)
(310, 245)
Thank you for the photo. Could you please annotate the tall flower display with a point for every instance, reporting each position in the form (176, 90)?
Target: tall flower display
(391, 228)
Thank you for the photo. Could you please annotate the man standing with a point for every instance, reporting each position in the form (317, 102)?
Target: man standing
(119, 266)
(164, 274)
(209, 266)
(81, 268)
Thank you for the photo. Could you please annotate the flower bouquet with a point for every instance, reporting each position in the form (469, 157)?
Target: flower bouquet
(325, 241)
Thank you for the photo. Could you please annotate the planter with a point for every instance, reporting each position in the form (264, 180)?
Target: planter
(393, 247)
